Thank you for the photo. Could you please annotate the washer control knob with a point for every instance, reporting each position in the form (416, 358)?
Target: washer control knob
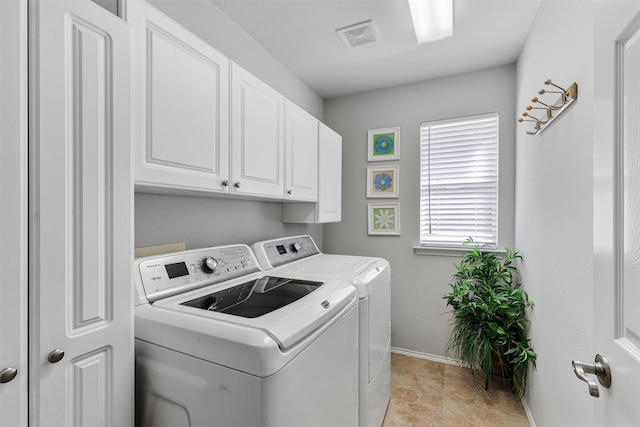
(209, 264)
(295, 247)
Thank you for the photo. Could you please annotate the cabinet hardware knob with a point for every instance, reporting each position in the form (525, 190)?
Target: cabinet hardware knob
(289, 192)
(236, 185)
(7, 374)
(225, 183)
(55, 356)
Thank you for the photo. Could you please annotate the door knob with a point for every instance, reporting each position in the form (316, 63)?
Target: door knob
(7, 374)
(600, 369)
(55, 356)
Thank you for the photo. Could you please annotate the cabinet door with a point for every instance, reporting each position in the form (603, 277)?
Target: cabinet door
(181, 94)
(80, 217)
(330, 176)
(301, 154)
(257, 136)
(329, 205)
(13, 214)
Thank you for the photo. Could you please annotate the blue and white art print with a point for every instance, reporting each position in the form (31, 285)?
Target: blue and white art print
(383, 144)
(383, 181)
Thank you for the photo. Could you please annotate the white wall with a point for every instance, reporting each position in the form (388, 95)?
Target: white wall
(210, 221)
(420, 318)
(554, 212)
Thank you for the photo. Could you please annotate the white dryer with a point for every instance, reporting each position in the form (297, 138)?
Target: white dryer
(299, 256)
(220, 343)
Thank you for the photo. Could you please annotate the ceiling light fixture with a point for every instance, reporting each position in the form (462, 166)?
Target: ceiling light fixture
(432, 19)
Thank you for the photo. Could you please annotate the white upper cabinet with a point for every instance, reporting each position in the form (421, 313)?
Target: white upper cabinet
(301, 154)
(205, 126)
(257, 136)
(181, 106)
(329, 205)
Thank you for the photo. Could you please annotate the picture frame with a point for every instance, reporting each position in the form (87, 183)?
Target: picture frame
(383, 144)
(383, 219)
(383, 181)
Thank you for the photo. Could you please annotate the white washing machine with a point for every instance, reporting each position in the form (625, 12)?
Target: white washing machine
(299, 256)
(221, 343)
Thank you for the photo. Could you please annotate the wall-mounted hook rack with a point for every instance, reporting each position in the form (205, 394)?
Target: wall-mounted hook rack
(551, 111)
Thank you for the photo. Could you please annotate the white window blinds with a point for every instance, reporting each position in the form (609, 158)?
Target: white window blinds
(459, 181)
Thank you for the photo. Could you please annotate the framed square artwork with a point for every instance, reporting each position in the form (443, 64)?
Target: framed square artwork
(384, 219)
(383, 181)
(383, 144)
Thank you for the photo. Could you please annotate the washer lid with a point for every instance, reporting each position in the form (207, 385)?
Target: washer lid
(287, 325)
(256, 297)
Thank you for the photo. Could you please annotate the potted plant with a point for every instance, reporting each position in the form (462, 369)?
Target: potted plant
(490, 322)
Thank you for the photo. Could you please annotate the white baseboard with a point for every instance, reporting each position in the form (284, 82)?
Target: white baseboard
(432, 357)
(449, 361)
(527, 411)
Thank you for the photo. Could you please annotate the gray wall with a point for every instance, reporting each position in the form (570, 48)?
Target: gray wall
(210, 221)
(554, 213)
(420, 319)
(200, 221)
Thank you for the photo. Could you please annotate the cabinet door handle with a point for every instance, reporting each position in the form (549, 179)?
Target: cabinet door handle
(225, 183)
(289, 192)
(55, 356)
(7, 374)
(236, 185)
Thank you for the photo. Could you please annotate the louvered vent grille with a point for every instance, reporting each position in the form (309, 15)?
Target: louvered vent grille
(358, 34)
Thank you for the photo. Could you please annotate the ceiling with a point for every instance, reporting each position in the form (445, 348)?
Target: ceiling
(302, 35)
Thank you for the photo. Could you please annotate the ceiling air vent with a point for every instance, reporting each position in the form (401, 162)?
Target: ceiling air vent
(358, 34)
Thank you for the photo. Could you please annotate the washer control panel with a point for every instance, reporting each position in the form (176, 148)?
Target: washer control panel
(171, 274)
(273, 253)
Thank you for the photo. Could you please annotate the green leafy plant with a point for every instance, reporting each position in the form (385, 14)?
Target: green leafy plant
(490, 324)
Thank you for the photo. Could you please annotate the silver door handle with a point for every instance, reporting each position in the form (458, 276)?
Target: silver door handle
(600, 369)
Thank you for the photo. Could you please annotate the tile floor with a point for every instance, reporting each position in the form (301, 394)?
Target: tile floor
(431, 394)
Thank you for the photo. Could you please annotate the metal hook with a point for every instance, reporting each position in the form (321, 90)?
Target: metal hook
(547, 109)
(550, 107)
(565, 97)
(549, 82)
(526, 114)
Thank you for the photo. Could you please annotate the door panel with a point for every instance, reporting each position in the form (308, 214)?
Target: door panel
(81, 195)
(13, 212)
(617, 208)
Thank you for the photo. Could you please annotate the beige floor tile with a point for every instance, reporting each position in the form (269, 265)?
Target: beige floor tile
(425, 394)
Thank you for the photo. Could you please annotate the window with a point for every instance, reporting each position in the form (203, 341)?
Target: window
(459, 181)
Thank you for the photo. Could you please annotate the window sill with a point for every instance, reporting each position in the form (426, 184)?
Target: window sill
(451, 252)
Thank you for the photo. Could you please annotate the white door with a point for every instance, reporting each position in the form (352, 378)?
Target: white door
(617, 209)
(301, 154)
(181, 113)
(81, 326)
(13, 214)
(257, 136)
